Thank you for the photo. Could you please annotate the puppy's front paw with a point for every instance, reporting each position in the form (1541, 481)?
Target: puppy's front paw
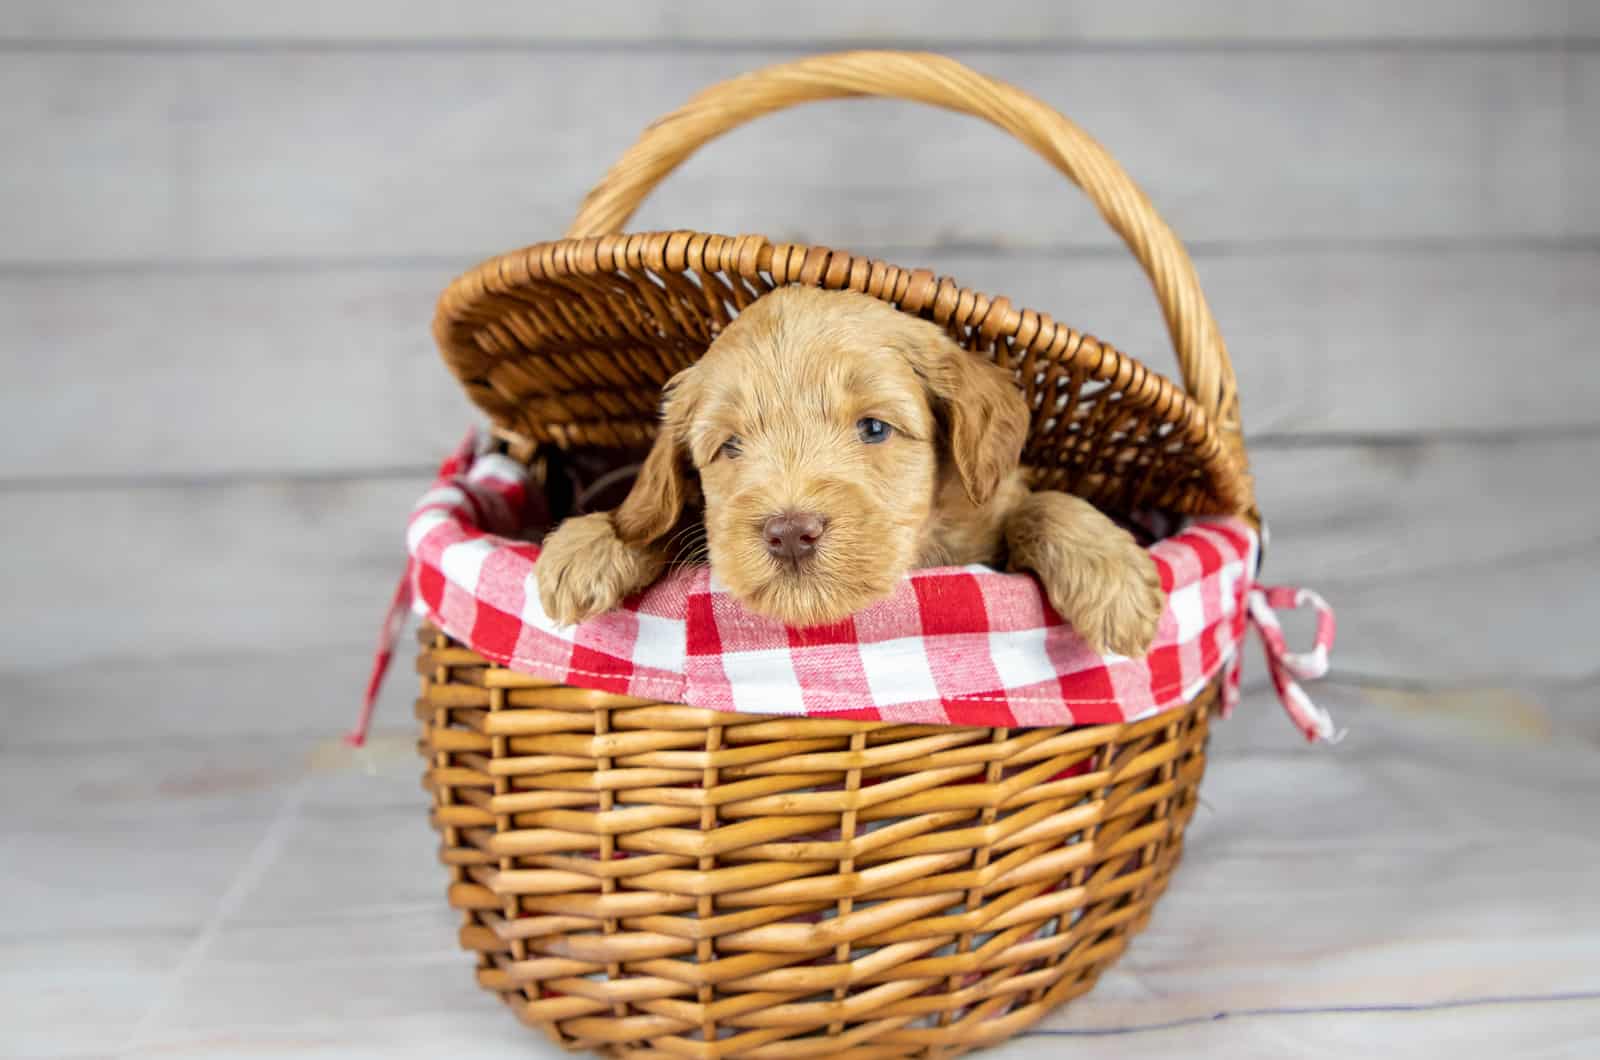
(1093, 571)
(1115, 604)
(584, 569)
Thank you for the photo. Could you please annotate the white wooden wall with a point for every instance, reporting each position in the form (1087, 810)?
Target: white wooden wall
(222, 227)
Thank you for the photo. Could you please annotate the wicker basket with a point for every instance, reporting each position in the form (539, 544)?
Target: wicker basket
(650, 879)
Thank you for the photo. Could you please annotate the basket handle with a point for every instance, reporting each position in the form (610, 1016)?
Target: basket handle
(942, 82)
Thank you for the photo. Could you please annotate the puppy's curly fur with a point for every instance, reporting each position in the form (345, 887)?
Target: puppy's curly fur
(903, 447)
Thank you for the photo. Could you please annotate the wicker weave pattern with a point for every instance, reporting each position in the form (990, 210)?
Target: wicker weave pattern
(571, 341)
(646, 879)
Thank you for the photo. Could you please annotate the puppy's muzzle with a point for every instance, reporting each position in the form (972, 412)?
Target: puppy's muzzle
(792, 536)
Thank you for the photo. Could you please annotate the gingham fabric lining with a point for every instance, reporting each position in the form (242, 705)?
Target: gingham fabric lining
(952, 645)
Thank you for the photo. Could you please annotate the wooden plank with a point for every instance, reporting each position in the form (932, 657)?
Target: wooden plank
(1353, 342)
(304, 569)
(333, 155)
(1583, 133)
(207, 696)
(223, 371)
(136, 577)
(82, 995)
(165, 882)
(1452, 563)
(1365, 515)
(1497, 1028)
(1510, 621)
(375, 981)
(256, 605)
(1078, 22)
(330, 370)
(361, 813)
(129, 832)
(123, 879)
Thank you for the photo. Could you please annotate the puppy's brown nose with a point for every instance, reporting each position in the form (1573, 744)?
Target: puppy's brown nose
(793, 536)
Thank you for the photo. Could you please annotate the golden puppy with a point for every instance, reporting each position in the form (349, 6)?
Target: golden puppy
(832, 443)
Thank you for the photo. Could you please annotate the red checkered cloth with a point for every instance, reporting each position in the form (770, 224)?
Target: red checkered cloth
(951, 646)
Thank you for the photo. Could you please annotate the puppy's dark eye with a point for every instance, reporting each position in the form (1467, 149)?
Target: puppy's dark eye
(873, 431)
(730, 448)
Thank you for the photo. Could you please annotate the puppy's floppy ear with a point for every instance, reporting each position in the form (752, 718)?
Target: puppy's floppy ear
(985, 412)
(664, 486)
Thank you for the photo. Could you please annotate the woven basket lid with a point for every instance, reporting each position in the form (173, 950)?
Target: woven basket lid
(569, 342)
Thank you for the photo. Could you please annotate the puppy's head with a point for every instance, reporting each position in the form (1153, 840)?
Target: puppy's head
(821, 426)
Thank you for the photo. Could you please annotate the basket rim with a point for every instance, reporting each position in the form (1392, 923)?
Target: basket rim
(997, 648)
(481, 328)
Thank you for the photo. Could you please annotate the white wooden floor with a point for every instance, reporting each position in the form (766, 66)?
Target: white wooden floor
(223, 229)
(1424, 889)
